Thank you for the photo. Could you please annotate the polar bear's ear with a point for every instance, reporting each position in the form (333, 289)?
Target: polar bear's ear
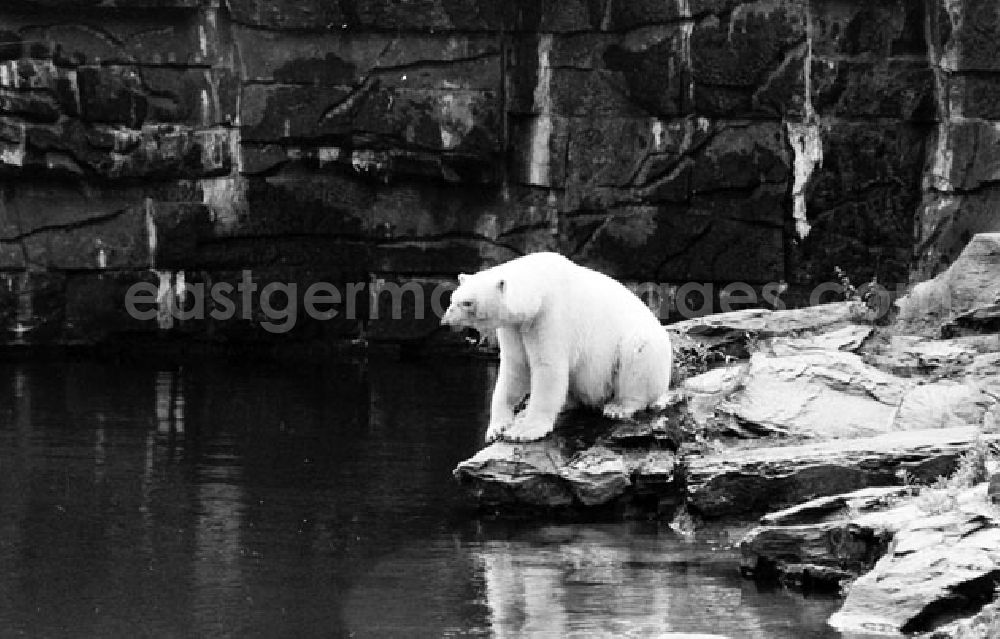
(462, 277)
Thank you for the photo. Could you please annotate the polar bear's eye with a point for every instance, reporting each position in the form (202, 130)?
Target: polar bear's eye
(466, 304)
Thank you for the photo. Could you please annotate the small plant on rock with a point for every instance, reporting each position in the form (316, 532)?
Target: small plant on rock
(691, 359)
(874, 298)
(973, 468)
(753, 342)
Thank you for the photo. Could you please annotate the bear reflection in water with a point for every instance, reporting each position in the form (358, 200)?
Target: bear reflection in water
(566, 333)
(577, 580)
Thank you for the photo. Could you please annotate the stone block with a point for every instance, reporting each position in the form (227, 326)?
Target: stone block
(259, 158)
(407, 309)
(378, 15)
(437, 119)
(115, 242)
(10, 45)
(897, 90)
(299, 201)
(34, 206)
(742, 157)
(25, 74)
(608, 152)
(95, 306)
(178, 228)
(970, 35)
(36, 106)
(966, 156)
(112, 95)
(559, 16)
(171, 38)
(178, 152)
(113, 4)
(861, 201)
(878, 30)
(671, 244)
(730, 62)
(195, 97)
(974, 95)
(446, 255)
(347, 58)
(656, 75)
(271, 113)
(623, 15)
(318, 252)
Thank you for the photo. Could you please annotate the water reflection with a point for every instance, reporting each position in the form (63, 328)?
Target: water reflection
(625, 580)
(311, 500)
(169, 403)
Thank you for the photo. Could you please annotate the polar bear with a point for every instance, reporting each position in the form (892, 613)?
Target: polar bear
(565, 332)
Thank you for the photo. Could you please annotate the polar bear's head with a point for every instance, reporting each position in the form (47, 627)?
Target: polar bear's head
(491, 299)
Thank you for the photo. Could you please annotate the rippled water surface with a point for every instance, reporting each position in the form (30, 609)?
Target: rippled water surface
(258, 500)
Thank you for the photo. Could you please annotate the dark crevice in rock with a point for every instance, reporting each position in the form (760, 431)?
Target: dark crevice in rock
(525, 228)
(436, 64)
(71, 226)
(588, 240)
(692, 243)
(342, 108)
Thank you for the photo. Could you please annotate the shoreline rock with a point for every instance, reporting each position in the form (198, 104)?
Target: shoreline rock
(937, 568)
(743, 482)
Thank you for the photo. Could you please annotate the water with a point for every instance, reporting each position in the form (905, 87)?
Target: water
(252, 500)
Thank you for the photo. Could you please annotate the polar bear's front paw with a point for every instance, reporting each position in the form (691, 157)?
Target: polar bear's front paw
(496, 431)
(528, 430)
(616, 410)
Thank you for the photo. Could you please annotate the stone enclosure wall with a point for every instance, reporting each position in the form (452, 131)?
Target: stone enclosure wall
(666, 141)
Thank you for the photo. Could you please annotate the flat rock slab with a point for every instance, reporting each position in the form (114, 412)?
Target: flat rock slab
(504, 474)
(817, 510)
(848, 338)
(706, 391)
(827, 394)
(767, 323)
(938, 567)
(810, 555)
(744, 481)
(815, 394)
(738, 333)
(548, 473)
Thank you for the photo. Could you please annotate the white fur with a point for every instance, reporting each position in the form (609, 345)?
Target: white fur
(564, 331)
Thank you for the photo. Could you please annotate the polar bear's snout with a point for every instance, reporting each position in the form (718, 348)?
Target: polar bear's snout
(453, 317)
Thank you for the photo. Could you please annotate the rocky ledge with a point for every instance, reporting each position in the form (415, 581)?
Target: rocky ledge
(847, 426)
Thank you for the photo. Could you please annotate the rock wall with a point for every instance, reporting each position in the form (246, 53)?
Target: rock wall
(178, 142)
(962, 178)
